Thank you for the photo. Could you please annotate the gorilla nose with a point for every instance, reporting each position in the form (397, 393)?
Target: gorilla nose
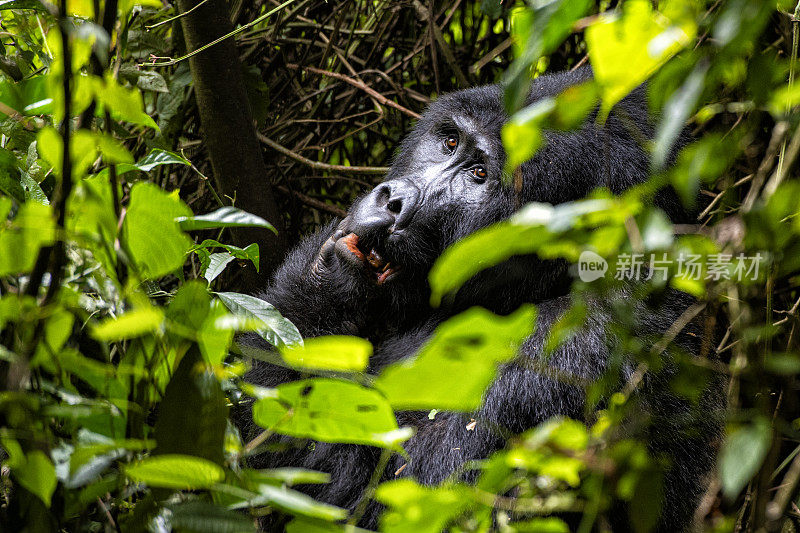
(390, 206)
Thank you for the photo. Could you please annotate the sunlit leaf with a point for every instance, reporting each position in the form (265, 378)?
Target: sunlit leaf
(330, 410)
(627, 49)
(276, 330)
(175, 472)
(453, 369)
(217, 263)
(413, 508)
(21, 239)
(156, 243)
(34, 470)
(334, 352)
(224, 217)
(129, 325)
(677, 111)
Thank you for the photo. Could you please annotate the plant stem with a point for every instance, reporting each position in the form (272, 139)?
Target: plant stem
(260, 19)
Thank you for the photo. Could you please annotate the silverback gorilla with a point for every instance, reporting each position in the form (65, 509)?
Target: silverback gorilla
(366, 275)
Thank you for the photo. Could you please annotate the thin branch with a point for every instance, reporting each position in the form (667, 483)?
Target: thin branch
(318, 165)
(360, 85)
(314, 203)
(238, 30)
(176, 17)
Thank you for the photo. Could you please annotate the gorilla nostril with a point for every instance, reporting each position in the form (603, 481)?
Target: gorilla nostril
(395, 206)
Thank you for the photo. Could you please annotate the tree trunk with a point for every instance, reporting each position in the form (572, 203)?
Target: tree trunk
(229, 132)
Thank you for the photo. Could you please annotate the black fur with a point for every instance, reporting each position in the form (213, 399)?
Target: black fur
(324, 296)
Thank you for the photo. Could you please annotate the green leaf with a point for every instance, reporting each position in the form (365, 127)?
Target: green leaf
(149, 80)
(304, 525)
(131, 324)
(289, 476)
(123, 103)
(742, 454)
(156, 244)
(224, 217)
(205, 517)
(84, 148)
(541, 525)
(201, 434)
(29, 96)
(413, 508)
(334, 352)
(522, 134)
(34, 470)
(626, 50)
(454, 368)
(249, 252)
(536, 228)
(22, 237)
(22, 4)
(536, 32)
(158, 157)
(176, 472)
(10, 176)
(330, 410)
(292, 501)
(276, 330)
(677, 111)
(216, 264)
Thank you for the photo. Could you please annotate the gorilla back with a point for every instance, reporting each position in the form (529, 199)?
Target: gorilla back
(366, 275)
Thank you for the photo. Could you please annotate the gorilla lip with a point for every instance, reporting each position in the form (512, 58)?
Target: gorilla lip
(379, 267)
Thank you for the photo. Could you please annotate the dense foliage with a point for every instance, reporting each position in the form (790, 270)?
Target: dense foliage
(118, 364)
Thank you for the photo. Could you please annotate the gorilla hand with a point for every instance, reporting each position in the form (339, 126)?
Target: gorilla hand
(340, 258)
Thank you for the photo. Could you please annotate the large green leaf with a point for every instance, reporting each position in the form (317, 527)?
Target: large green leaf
(742, 454)
(34, 470)
(21, 238)
(627, 49)
(224, 217)
(175, 472)
(205, 517)
(453, 369)
(156, 244)
(276, 330)
(543, 229)
(334, 352)
(537, 31)
(131, 324)
(413, 508)
(200, 431)
(677, 111)
(330, 410)
(294, 502)
(122, 102)
(22, 4)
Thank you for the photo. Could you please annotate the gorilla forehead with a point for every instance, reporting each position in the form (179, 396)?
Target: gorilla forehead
(479, 111)
(482, 110)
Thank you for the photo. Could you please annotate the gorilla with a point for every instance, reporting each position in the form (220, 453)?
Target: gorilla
(366, 275)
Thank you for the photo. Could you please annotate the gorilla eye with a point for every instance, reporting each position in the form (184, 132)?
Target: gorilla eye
(480, 174)
(451, 142)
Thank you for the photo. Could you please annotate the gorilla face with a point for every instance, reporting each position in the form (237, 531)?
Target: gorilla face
(445, 182)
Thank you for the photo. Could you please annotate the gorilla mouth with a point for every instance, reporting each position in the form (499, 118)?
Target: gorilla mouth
(379, 268)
